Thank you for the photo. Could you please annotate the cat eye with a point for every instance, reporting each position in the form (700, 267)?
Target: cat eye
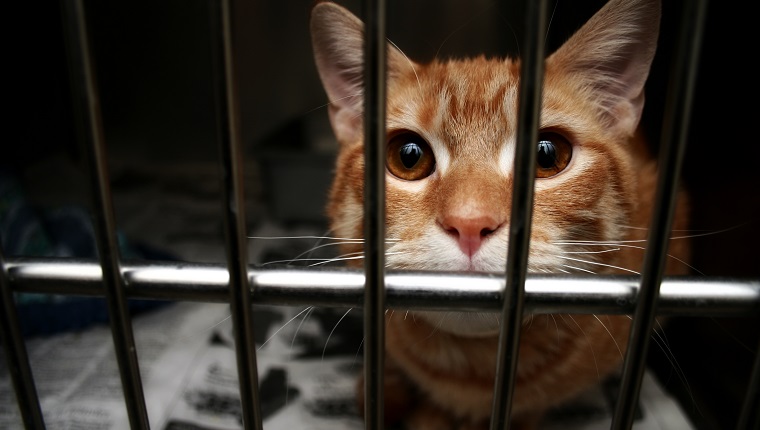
(553, 156)
(409, 157)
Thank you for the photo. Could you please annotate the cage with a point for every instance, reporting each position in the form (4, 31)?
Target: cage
(211, 118)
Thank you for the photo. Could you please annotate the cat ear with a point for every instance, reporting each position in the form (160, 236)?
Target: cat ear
(609, 59)
(338, 43)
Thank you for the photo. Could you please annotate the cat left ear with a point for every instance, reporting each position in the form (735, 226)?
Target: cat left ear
(338, 43)
(609, 59)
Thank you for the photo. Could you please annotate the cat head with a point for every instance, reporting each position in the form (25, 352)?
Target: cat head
(451, 129)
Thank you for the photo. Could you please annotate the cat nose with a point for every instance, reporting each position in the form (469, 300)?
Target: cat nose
(469, 231)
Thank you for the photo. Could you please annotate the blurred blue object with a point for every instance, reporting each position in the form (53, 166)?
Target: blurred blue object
(28, 231)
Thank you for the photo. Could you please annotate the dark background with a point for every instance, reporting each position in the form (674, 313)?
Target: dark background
(154, 67)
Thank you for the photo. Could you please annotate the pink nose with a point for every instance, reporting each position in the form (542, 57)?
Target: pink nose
(469, 231)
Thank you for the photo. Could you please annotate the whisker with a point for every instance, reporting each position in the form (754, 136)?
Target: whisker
(295, 260)
(688, 236)
(359, 94)
(663, 345)
(305, 317)
(579, 268)
(599, 264)
(590, 345)
(529, 323)
(345, 257)
(419, 84)
(206, 330)
(332, 331)
(556, 326)
(358, 255)
(609, 333)
(590, 252)
(312, 237)
(598, 243)
(282, 327)
(324, 245)
(290, 351)
(705, 232)
(437, 326)
(670, 357)
(733, 337)
(549, 26)
(456, 30)
(628, 246)
(356, 357)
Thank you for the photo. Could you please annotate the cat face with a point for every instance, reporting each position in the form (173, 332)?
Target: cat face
(451, 136)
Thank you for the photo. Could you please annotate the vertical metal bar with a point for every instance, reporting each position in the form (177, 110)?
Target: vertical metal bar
(750, 415)
(531, 84)
(673, 145)
(91, 131)
(18, 361)
(233, 201)
(375, 47)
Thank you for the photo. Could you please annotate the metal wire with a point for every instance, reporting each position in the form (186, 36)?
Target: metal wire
(531, 84)
(373, 289)
(87, 107)
(374, 211)
(16, 356)
(233, 202)
(689, 296)
(673, 144)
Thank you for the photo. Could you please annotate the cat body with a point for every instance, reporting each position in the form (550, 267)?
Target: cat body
(451, 129)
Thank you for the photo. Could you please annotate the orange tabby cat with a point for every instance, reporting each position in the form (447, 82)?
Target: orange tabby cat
(451, 139)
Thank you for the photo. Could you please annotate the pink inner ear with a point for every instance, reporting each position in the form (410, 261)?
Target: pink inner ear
(611, 55)
(338, 44)
(337, 39)
(346, 124)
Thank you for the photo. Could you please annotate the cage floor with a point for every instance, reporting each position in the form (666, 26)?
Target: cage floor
(307, 359)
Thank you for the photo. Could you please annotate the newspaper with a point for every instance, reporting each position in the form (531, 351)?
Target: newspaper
(308, 360)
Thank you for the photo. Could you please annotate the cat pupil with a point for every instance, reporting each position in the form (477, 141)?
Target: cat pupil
(547, 154)
(410, 154)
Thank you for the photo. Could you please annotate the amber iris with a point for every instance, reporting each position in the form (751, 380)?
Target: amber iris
(554, 152)
(409, 157)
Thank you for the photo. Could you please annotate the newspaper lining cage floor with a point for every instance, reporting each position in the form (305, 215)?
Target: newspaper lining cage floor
(307, 375)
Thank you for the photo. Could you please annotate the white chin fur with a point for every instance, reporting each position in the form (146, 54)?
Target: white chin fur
(469, 324)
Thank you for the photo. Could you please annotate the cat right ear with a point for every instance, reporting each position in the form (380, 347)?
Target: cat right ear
(337, 40)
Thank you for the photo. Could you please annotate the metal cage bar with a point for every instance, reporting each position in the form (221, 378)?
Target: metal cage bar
(372, 288)
(233, 201)
(375, 47)
(17, 358)
(673, 144)
(90, 130)
(608, 294)
(528, 111)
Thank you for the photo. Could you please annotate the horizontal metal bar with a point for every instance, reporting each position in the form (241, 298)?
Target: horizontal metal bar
(689, 296)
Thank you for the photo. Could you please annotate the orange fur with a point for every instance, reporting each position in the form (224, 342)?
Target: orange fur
(441, 365)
